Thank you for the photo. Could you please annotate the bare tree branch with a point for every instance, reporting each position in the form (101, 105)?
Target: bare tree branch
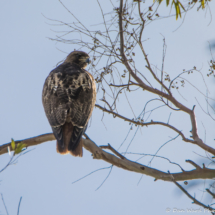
(98, 153)
(167, 95)
(212, 194)
(194, 164)
(187, 194)
(113, 150)
(151, 123)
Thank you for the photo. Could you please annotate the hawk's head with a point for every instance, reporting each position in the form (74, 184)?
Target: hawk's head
(78, 57)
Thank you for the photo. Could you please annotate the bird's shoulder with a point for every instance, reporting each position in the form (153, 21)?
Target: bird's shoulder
(64, 76)
(68, 74)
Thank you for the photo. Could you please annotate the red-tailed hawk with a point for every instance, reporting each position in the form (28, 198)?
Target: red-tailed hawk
(69, 96)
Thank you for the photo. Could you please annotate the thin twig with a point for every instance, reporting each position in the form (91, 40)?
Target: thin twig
(4, 204)
(19, 205)
(188, 195)
(90, 174)
(163, 146)
(105, 178)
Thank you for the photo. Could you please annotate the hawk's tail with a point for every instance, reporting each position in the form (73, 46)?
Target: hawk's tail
(58, 133)
(61, 149)
(70, 141)
(78, 151)
(76, 143)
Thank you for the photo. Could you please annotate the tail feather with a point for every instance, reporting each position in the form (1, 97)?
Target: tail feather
(78, 151)
(71, 141)
(62, 146)
(75, 144)
(62, 149)
(58, 132)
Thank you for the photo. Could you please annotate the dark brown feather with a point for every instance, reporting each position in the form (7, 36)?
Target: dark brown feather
(67, 129)
(69, 95)
(78, 151)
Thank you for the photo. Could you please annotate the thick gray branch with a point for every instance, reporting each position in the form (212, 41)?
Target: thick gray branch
(124, 163)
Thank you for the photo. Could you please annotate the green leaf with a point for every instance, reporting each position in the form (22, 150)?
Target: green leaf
(13, 145)
(177, 9)
(181, 5)
(173, 2)
(167, 2)
(19, 147)
(203, 4)
(159, 1)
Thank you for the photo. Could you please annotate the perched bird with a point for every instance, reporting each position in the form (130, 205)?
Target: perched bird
(69, 96)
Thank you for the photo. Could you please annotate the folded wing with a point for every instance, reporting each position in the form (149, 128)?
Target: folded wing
(68, 99)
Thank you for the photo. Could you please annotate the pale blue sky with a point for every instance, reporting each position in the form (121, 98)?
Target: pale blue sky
(44, 178)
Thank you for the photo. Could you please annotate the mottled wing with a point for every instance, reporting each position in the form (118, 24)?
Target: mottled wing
(81, 103)
(68, 98)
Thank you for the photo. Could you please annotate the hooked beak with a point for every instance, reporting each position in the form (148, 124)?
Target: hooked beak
(88, 60)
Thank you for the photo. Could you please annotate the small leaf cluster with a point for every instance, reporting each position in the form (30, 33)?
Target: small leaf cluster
(202, 5)
(167, 78)
(17, 148)
(212, 68)
(106, 71)
(178, 5)
(176, 84)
